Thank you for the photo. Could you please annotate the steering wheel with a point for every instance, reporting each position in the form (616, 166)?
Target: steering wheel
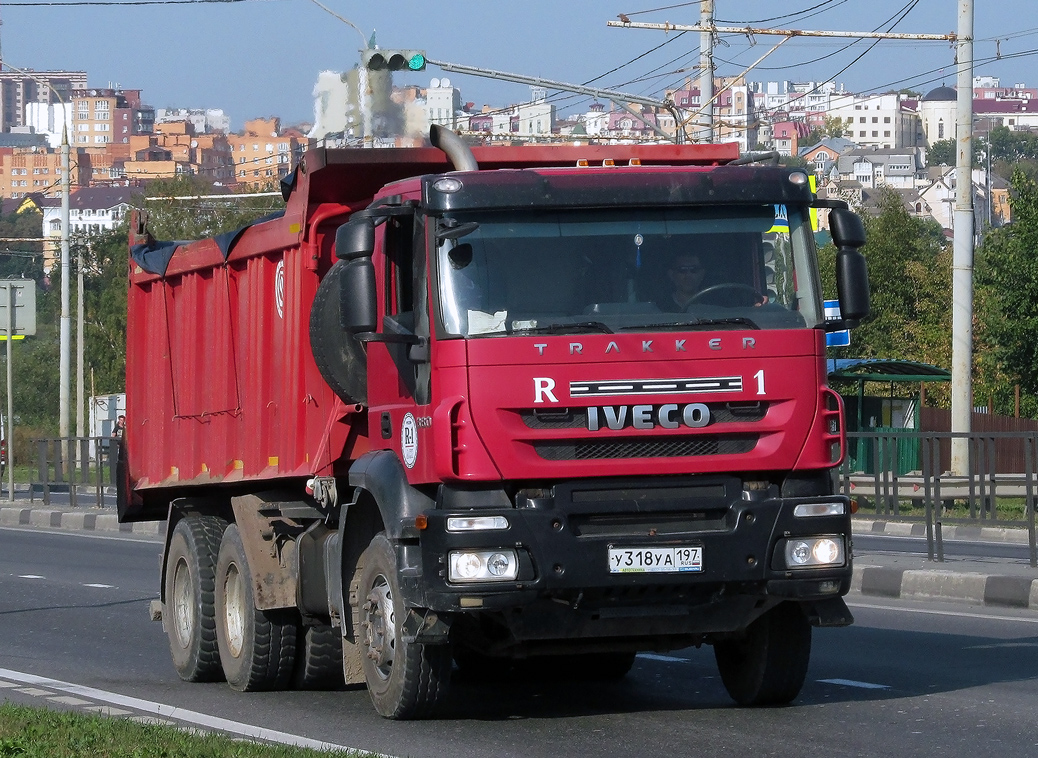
(733, 287)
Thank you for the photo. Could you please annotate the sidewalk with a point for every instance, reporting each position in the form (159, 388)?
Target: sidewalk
(998, 582)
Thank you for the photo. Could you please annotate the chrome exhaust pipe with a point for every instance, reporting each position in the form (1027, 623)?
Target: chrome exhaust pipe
(451, 144)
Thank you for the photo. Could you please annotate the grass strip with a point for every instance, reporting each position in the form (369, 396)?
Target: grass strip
(30, 732)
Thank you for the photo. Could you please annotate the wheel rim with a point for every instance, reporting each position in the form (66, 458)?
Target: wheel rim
(183, 603)
(234, 611)
(380, 626)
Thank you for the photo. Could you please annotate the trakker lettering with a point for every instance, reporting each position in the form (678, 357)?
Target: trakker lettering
(651, 346)
(666, 416)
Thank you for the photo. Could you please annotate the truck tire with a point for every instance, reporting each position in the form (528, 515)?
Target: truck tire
(768, 665)
(257, 648)
(190, 610)
(318, 659)
(406, 680)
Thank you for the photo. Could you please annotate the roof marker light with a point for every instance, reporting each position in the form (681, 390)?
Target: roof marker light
(582, 163)
(608, 162)
(634, 162)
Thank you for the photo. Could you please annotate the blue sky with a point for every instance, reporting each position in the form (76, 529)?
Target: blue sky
(261, 57)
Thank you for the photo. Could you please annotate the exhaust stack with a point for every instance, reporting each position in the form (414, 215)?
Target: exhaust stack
(451, 144)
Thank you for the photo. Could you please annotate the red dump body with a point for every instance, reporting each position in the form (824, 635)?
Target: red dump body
(221, 383)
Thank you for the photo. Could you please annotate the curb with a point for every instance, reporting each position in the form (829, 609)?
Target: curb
(947, 586)
(1002, 534)
(78, 520)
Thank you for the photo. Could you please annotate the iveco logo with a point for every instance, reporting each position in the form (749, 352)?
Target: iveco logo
(666, 416)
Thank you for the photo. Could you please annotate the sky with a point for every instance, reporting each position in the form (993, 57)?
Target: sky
(258, 58)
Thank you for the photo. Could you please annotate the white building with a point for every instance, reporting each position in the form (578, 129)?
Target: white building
(91, 210)
(794, 96)
(536, 118)
(937, 114)
(204, 120)
(49, 120)
(877, 120)
(442, 103)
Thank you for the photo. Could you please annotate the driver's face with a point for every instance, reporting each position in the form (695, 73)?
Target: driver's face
(686, 274)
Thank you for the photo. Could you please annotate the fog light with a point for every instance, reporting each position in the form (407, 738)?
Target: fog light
(812, 552)
(482, 565)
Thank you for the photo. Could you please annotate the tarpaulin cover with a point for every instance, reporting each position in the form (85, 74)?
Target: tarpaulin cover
(154, 256)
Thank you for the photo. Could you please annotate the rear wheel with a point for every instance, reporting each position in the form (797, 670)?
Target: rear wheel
(318, 659)
(190, 609)
(406, 680)
(257, 648)
(768, 665)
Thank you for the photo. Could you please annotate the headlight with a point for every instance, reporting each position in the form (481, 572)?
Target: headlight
(482, 565)
(810, 552)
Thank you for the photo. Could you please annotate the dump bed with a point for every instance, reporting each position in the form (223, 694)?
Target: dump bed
(222, 388)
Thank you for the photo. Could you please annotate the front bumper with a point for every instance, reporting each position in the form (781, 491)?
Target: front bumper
(562, 540)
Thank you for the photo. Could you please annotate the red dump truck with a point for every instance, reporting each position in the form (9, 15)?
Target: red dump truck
(445, 411)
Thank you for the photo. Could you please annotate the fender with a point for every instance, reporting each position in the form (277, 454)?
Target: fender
(382, 475)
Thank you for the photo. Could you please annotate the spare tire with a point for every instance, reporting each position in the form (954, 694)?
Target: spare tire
(339, 356)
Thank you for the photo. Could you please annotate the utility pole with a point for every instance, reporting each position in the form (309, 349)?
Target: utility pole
(962, 250)
(65, 330)
(706, 67)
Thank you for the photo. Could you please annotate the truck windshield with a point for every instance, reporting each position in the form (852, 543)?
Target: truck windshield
(627, 270)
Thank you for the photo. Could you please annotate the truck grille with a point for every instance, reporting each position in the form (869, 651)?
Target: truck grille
(669, 447)
(576, 418)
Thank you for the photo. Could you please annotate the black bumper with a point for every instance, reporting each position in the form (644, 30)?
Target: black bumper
(565, 588)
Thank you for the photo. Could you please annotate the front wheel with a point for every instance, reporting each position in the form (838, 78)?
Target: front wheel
(768, 664)
(406, 680)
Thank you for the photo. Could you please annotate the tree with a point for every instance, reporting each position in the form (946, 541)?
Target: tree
(910, 274)
(813, 138)
(832, 126)
(1007, 290)
(941, 153)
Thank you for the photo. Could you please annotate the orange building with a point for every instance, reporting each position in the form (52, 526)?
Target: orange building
(175, 149)
(263, 154)
(24, 170)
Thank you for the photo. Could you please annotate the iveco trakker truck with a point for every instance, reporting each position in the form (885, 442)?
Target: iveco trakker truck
(435, 415)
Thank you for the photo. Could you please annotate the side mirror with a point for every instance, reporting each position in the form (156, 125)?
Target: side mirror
(355, 238)
(852, 271)
(357, 306)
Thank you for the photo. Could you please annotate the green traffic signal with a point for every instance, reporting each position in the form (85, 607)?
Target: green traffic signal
(393, 60)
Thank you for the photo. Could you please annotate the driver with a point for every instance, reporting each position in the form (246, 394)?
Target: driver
(686, 274)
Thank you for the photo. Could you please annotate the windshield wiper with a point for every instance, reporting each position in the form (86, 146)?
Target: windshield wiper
(560, 328)
(696, 323)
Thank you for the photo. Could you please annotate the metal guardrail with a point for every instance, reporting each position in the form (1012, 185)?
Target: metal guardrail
(973, 498)
(77, 465)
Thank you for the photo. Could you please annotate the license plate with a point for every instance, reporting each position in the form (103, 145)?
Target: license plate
(655, 560)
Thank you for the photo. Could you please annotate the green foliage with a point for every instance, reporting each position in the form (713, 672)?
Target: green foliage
(39, 733)
(1007, 290)
(910, 274)
(813, 138)
(832, 126)
(200, 218)
(941, 153)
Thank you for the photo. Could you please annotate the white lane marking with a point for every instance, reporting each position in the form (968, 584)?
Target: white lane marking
(31, 576)
(958, 614)
(853, 683)
(1001, 645)
(179, 714)
(107, 710)
(100, 586)
(86, 535)
(665, 658)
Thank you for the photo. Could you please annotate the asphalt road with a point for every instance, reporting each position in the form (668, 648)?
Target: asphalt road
(907, 679)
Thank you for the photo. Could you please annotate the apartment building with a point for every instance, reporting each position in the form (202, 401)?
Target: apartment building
(264, 153)
(20, 88)
(28, 170)
(882, 121)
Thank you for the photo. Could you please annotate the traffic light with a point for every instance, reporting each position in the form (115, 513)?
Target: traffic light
(393, 60)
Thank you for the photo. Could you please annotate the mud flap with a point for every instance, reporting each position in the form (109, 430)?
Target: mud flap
(830, 612)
